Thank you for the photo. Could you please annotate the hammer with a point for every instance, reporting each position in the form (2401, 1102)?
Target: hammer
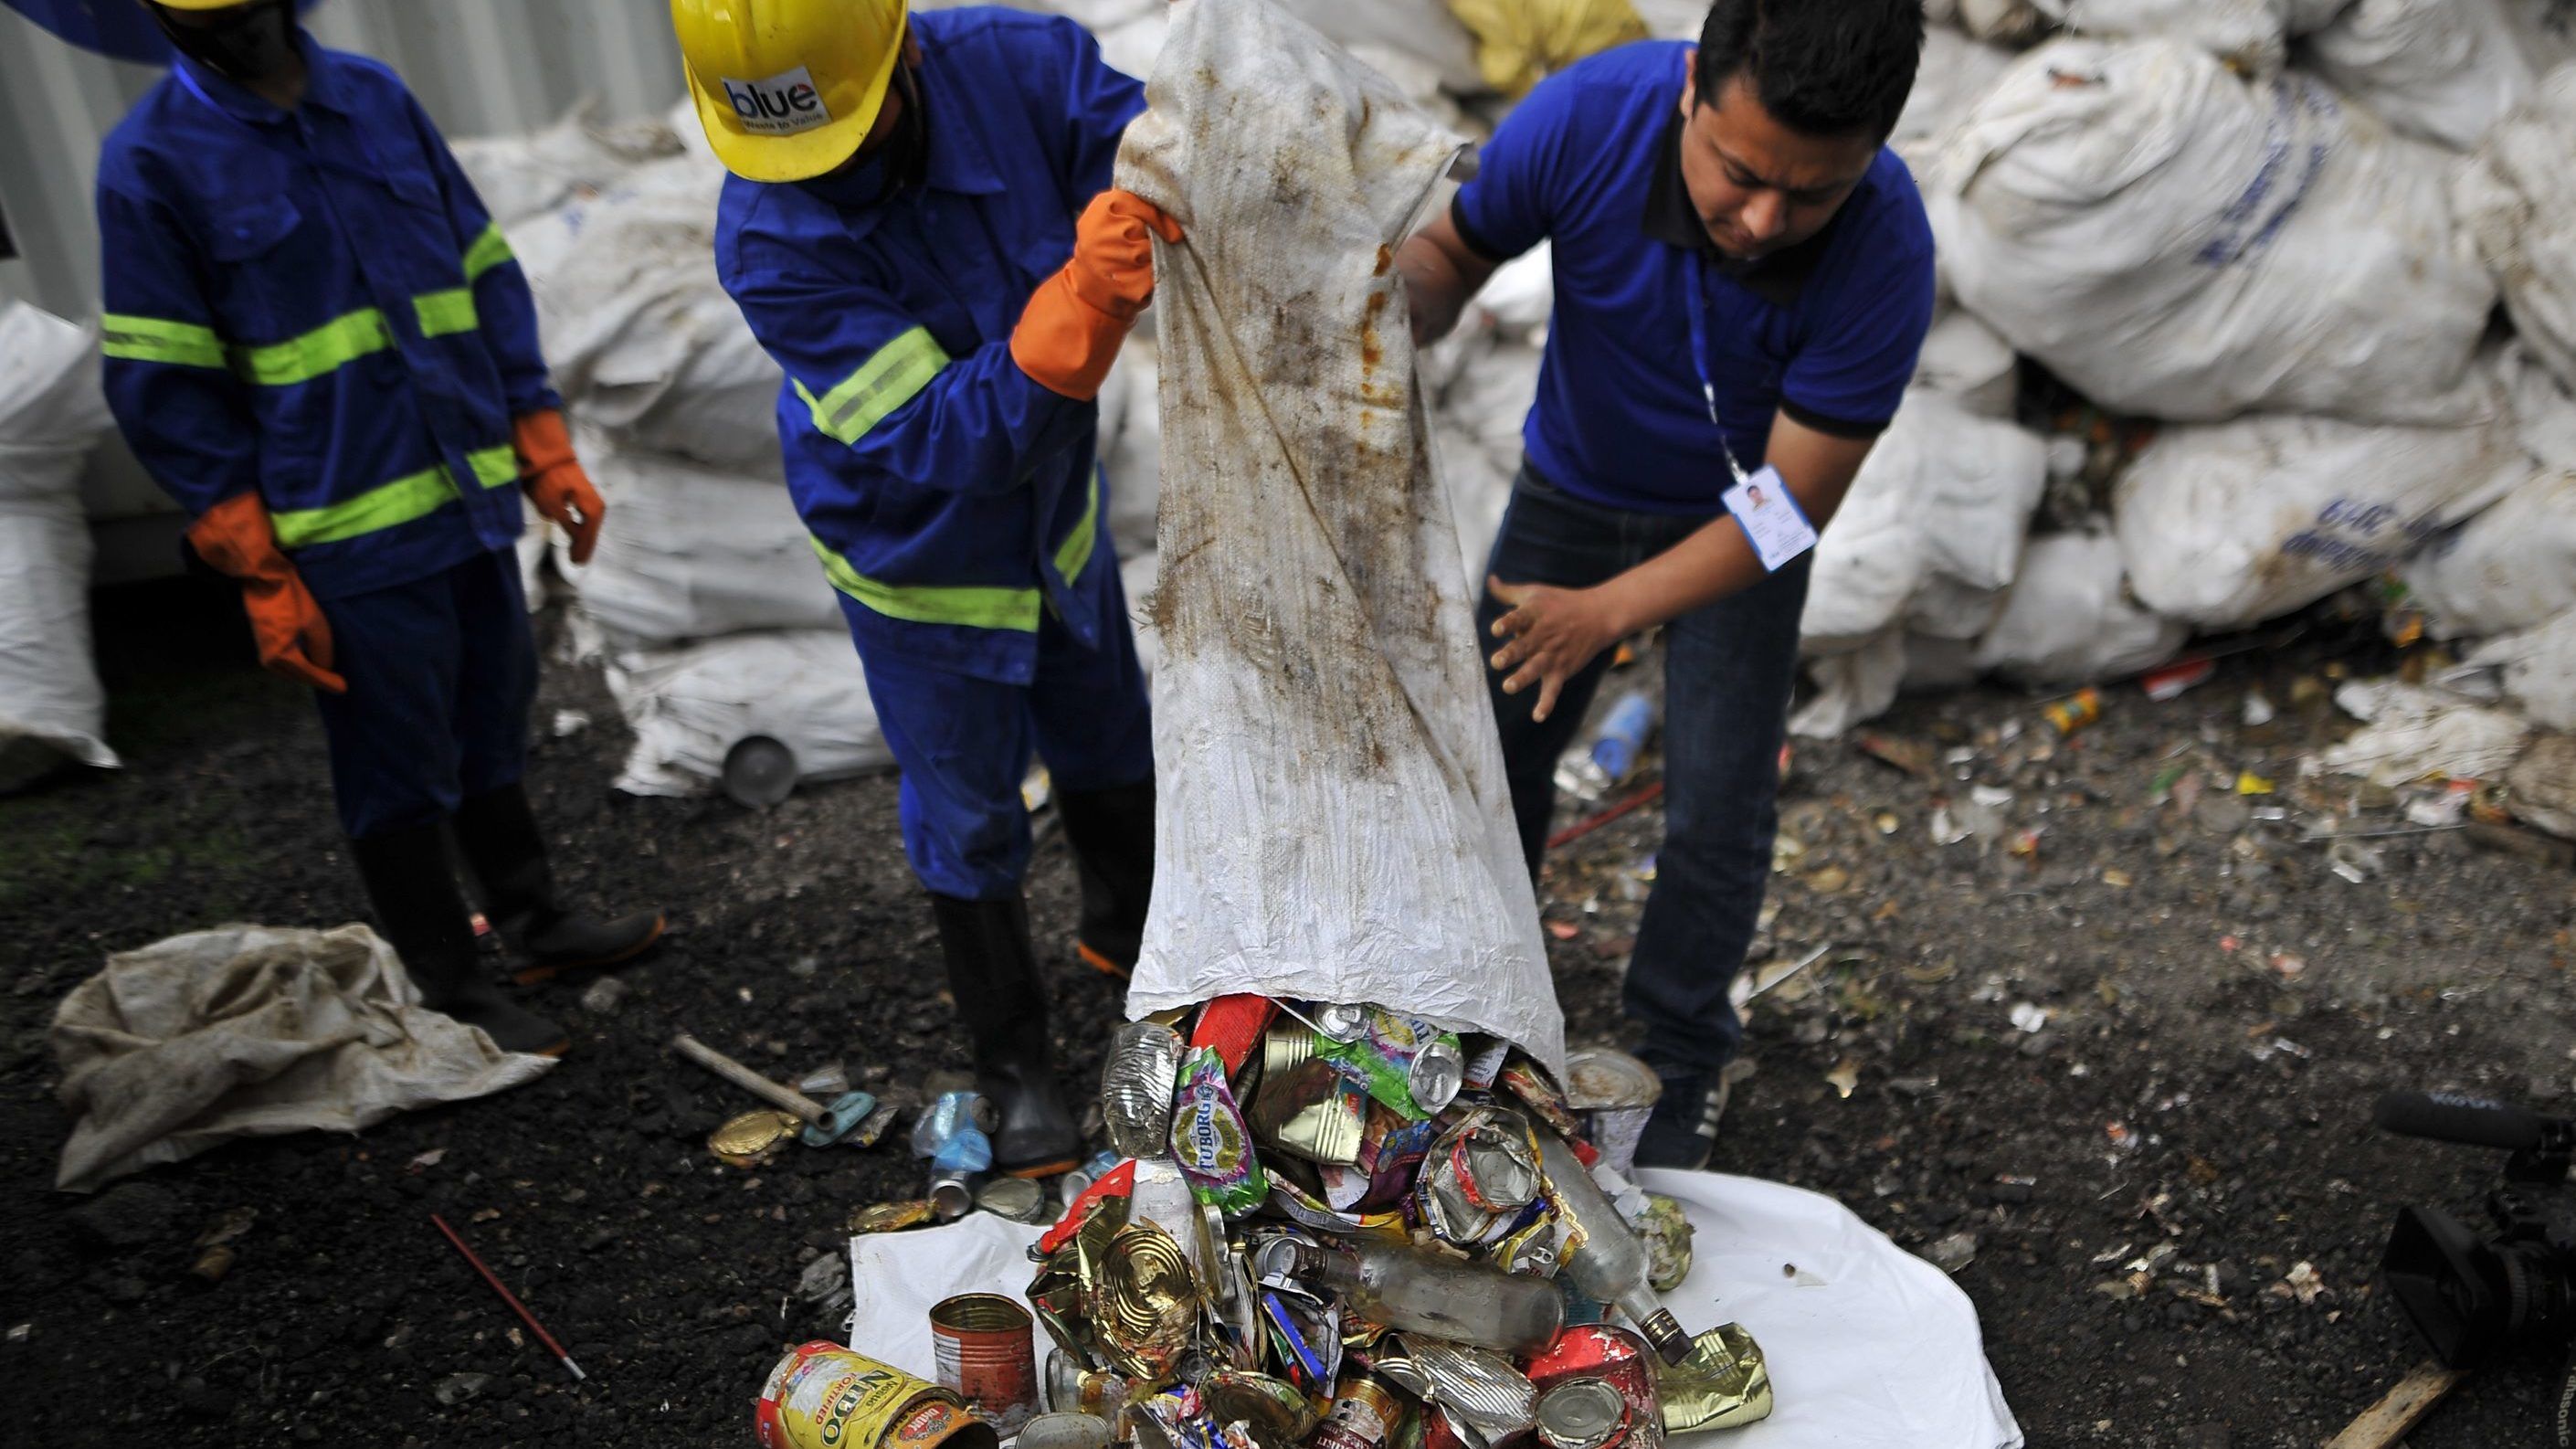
(823, 1125)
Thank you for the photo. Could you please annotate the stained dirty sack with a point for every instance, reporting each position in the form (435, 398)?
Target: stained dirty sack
(1332, 821)
(253, 1031)
(51, 415)
(2517, 200)
(2238, 522)
(2174, 241)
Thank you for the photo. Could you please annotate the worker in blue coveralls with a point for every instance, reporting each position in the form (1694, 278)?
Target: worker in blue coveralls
(920, 230)
(318, 342)
(1743, 283)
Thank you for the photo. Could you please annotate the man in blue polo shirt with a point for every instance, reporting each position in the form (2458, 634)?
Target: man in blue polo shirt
(1743, 282)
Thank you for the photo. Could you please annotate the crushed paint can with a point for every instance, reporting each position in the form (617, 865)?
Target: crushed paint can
(823, 1396)
(986, 1349)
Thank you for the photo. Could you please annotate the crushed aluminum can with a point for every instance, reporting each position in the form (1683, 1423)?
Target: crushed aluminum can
(1172, 1419)
(1233, 1026)
(891, 1217)
(1342, 1021)
(1382, 1058)
(1365, 1416)
(986, 1349)
(1614, 1094)
(1523, 1079)
(1724, 1384)
(1015, 1198)
(1137, 1084)
(1439, 1069)
(823, 1396)
(754, 1137)
(1486, 1063)
(1065, 1431)
(1667, 1231)
(1277, 1414)
(952, 1192)
(1528, 1249)
(1144, 1303)
(1597, 1390)
(1311, 1111)
(1211, 1142)
(1478, 1178)
(1477, 1387)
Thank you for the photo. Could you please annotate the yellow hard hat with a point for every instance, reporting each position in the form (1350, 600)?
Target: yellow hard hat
(787, 89)
(201, 4)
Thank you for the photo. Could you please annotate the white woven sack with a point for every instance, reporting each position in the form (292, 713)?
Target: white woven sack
(1333, 821)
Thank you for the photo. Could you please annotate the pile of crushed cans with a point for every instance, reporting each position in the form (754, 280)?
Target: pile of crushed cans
(1319, 1226)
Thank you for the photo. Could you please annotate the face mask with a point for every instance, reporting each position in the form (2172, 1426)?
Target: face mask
(253, 42)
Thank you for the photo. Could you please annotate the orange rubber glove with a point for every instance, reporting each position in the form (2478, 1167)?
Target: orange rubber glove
(556, 484)
(1070, 331)
(235, 538)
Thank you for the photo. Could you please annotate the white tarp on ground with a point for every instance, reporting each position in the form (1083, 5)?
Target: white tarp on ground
(51, 415)
(253, 1031)
(2236, 522)
(2517, 200)
(1869, 1347)
(1332, 819)
(2176, 242)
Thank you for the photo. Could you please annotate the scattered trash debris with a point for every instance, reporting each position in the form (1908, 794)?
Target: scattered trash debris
(1952, 1253)
(510, 1298)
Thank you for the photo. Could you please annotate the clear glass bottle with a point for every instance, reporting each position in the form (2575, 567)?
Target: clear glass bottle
(1416, 1292)
(1609, 1262)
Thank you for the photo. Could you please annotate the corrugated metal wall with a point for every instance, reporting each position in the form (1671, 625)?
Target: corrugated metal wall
(482, 67)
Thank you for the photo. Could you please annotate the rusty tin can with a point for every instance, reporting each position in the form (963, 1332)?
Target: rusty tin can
(823, 1396)
(986, 1348)
(1597, 1390)
(1365, 1415)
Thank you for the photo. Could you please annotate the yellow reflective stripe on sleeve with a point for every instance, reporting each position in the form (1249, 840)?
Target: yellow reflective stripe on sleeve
(495, 467)
(155, 339)
(444, 314)
(1075, 551)
(970, 605)
(886, 381)
(317, 353)
(415, 496)
(490, 250)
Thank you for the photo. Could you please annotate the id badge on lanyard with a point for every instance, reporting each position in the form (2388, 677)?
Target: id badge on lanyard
(1762, 505)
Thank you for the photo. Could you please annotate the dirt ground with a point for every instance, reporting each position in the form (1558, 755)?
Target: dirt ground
(2214, 1007)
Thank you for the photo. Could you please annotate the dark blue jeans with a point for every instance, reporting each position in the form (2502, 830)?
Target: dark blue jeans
(1728, 671)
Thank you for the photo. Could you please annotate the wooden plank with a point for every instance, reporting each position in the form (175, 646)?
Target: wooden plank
(2385, 1423)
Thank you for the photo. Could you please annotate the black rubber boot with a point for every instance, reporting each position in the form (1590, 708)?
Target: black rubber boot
(993, 973)
(1112, 835)
(423, 915)
(1682, 1129)
(497, 833)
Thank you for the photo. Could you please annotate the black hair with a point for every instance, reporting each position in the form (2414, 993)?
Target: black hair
(1824, 67)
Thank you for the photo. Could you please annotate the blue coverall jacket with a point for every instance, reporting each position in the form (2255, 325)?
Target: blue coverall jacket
(952, 500)
(314, 306)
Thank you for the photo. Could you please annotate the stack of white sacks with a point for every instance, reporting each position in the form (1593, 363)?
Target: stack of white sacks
(2281, 228)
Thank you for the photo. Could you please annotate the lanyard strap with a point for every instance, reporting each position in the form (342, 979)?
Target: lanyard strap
(1698, 306)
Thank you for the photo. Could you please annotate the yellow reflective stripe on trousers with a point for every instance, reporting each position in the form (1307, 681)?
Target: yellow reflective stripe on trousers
(894, 376)
(157, 339)
(490, 250)
(974, 606)
(386, 505)
(318, 353)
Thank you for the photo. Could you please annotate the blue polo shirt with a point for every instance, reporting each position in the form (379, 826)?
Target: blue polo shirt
(1827, 331)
